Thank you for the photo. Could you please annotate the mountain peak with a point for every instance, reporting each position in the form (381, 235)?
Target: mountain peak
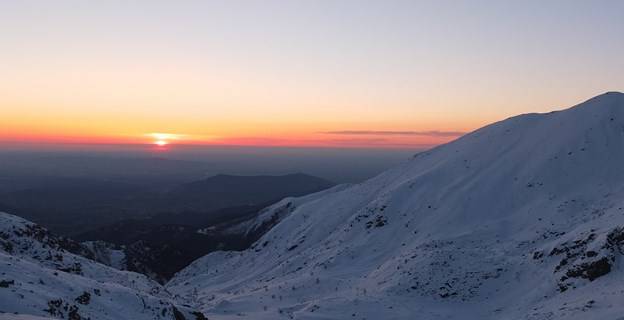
(607, 98)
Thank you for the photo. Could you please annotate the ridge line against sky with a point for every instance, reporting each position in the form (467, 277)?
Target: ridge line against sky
(296, 73)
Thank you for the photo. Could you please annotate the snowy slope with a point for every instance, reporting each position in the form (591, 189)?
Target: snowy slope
(39, 277)
(521, 219)
(268, 217)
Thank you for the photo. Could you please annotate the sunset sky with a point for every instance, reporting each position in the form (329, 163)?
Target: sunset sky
(296, 73)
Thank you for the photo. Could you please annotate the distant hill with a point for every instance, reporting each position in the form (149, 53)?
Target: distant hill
(222, 191)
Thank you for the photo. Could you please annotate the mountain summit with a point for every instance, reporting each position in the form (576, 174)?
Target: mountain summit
(521, 219)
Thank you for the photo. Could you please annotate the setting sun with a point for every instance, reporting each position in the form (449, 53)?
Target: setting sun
(163, 139)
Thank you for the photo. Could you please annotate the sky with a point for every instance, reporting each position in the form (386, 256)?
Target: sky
(380, 74)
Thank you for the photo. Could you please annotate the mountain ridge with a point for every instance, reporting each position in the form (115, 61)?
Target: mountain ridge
(507, 208)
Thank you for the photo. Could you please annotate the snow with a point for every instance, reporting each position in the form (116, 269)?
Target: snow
(33, 243)
(521, 219)
(463, 231)
(39, 277)
(272, 215)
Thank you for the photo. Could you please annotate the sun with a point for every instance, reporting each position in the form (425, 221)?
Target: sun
(163, 139)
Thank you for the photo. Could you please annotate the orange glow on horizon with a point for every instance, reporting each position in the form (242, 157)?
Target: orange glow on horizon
(316, 139)
(221, 78)
(252, 134)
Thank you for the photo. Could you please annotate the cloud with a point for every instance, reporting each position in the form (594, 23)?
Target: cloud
(431, 133)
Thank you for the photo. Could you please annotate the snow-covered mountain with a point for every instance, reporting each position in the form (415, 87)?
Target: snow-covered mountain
(522, 219)
(40, 276)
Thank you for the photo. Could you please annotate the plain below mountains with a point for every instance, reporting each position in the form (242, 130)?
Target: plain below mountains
(73, 205)
(222, 191)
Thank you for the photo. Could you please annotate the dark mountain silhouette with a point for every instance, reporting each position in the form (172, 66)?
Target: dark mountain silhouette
(222, 191)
